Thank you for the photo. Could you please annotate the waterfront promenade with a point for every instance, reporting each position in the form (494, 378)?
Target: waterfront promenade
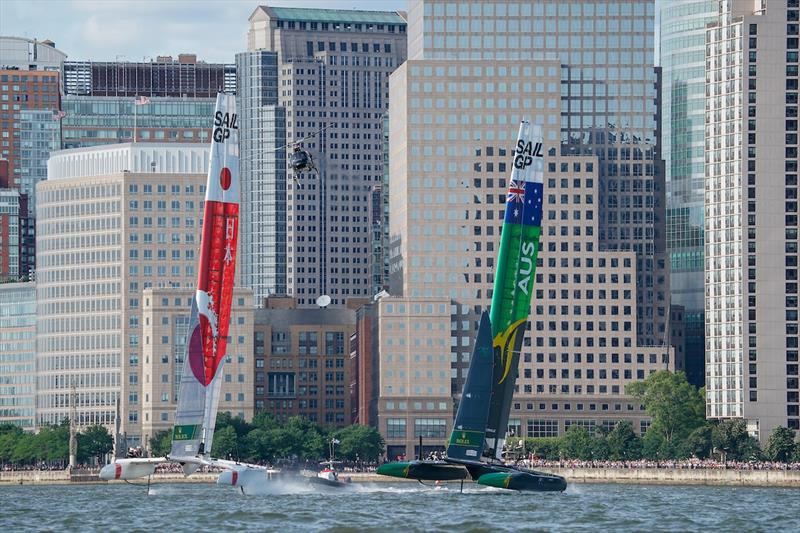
(574, 473)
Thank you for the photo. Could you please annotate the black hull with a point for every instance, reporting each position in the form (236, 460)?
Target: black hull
(513, 478)
(329, 483)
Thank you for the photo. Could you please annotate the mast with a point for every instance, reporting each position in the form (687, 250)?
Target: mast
(515, 275)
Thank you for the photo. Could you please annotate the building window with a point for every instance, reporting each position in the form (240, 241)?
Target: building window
(396, 428)
(542, 428)
(430, 428)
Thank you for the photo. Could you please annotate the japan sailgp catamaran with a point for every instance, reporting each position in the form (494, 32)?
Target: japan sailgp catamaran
(206, 341)
(476, 443)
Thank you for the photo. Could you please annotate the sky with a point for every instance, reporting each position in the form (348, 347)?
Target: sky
(133, 30)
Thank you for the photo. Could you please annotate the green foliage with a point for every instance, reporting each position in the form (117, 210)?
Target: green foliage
(161, 443)
(781, 445)
(543, 447)
(698, 443)
(730, 438)
(225, 443)
(240, 426)
(656, 447)
(623, 443)
(94, 441)
(52, 443)
(577, 444)
(266, 439)
(675, 406)
(264, 420)
(359, 442)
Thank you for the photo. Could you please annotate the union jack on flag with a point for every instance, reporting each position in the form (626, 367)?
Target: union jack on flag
(141, 100)
(516, 192)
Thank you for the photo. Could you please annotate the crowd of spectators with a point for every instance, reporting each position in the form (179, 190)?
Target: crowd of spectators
(685, 464)
(530, 462)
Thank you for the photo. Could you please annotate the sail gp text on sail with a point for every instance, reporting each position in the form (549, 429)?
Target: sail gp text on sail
(223, 124)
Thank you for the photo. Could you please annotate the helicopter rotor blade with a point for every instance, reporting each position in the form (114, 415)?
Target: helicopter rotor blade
(309, 136)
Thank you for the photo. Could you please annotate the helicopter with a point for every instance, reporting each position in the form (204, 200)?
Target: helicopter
(301, 160)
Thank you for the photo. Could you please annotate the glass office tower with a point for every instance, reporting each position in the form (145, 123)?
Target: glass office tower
(683, 41)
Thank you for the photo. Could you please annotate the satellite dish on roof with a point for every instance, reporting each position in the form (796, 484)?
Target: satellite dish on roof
(324, 301)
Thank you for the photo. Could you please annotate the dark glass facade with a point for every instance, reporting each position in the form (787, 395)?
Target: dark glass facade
(95, 120)
(263, 173)
(164, 77)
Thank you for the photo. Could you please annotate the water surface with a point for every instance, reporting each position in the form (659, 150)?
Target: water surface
(397, 507)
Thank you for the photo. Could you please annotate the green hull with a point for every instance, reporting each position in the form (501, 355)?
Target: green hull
(423, 470)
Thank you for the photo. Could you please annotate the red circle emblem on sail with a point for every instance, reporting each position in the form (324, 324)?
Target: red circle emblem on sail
(225, 178)
(196, 355)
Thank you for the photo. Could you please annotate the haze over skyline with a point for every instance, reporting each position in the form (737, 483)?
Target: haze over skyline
(136, 29)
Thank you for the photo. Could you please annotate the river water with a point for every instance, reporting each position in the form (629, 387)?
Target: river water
(397, 507)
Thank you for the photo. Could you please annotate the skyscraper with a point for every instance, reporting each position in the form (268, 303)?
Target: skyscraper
(751, 223)
(683, 43)
(474, 71)
(262, 142)
(29, 99)
(18, 356)
(332, 72)
(608, 102)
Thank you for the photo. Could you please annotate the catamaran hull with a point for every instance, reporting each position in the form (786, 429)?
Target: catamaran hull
(502, 477)
(517, 479)
(423, 470)
(126, 469)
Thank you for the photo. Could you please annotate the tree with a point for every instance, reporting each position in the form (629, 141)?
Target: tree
(359, 441)
(543, 447)
(259, 444)
(24, 451)
(225, 443)
(623, 444)
(52, 443)
(9, 435)
(94, 441)
(675, 406)
(240, 426)
(781, 445)
(577, 444)
(698, 443)
(731, 438)
(161, 443)
(264, 420)
(655, 447)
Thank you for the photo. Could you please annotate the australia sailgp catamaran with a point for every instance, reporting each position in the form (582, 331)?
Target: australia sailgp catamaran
(206, 341)
(476, 443)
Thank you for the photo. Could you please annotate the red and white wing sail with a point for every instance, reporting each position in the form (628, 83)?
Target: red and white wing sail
(207, 335)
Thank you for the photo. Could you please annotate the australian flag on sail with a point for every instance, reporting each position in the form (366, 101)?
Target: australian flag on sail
(524, 203)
